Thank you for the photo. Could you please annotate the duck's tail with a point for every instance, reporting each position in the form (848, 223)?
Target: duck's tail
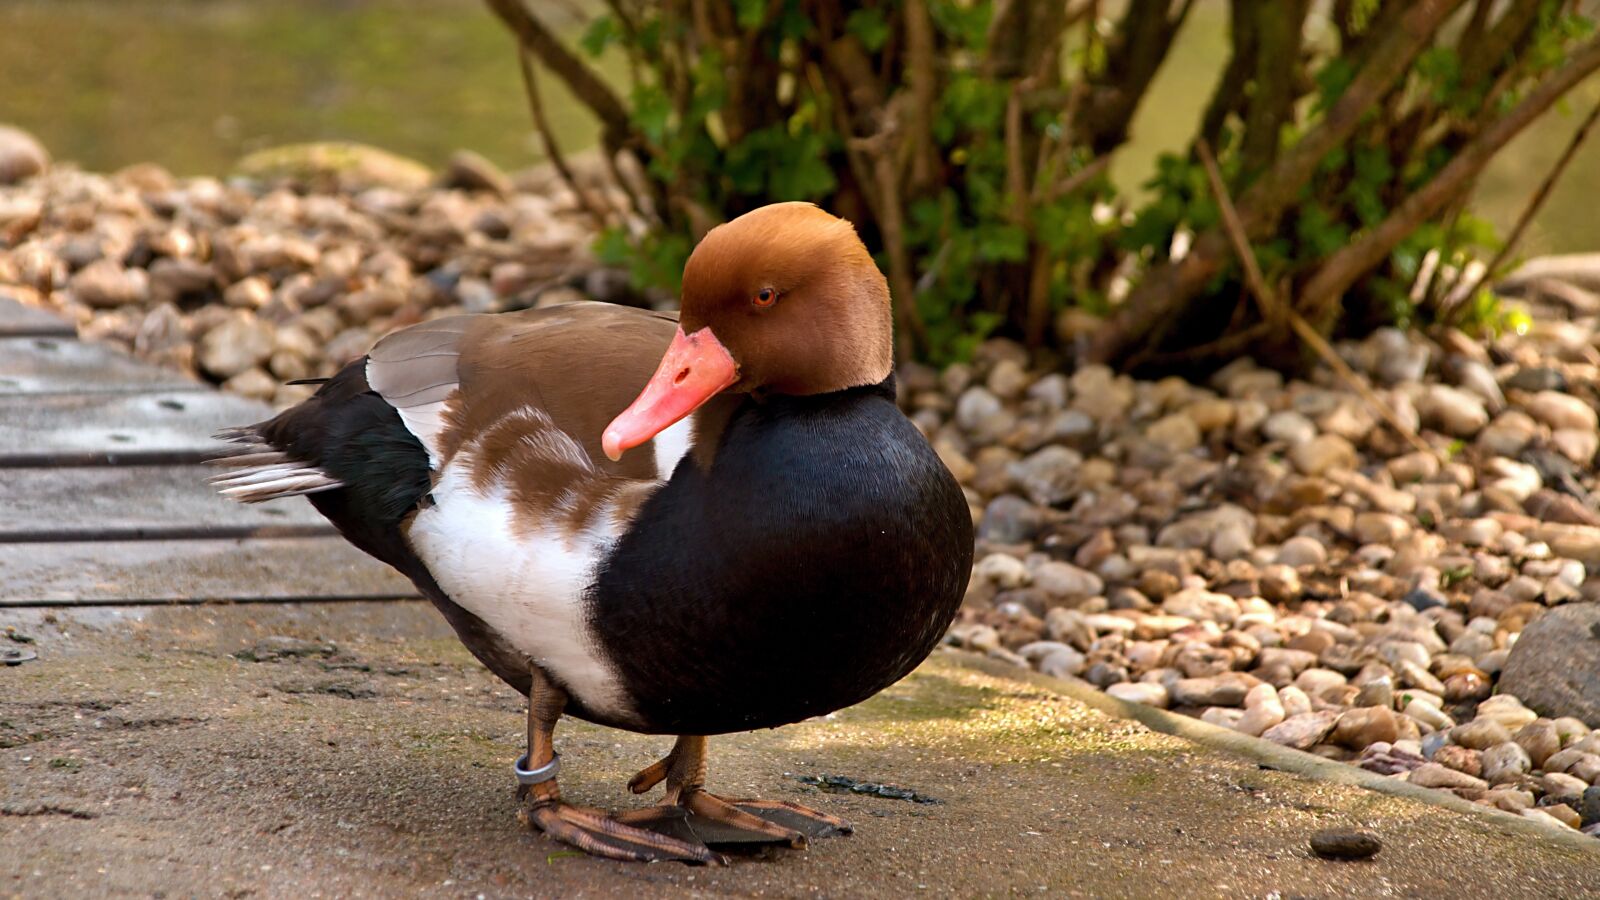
(255, 471)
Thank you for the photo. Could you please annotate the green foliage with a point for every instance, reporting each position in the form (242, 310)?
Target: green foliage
(978, 254)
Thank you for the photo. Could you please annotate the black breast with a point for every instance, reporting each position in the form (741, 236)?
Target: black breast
(819, 560)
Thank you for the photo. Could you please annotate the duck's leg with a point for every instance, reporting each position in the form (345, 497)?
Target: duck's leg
(714, 819)
(590, 830)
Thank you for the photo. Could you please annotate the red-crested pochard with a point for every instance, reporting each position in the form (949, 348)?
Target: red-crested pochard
(750, 536)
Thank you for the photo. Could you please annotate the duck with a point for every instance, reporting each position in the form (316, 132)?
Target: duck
(691, 524)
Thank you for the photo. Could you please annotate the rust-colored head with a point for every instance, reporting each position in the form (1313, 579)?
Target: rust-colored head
(784, 299)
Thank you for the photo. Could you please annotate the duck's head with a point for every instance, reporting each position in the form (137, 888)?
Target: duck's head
(784, 299)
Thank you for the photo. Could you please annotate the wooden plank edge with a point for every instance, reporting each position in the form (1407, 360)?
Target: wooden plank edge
(95, 458)
(205, 601)
(166, 533)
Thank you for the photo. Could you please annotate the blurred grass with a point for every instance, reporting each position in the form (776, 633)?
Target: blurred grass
(195, 84)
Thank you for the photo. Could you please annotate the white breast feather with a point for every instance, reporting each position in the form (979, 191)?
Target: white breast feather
(527, 585)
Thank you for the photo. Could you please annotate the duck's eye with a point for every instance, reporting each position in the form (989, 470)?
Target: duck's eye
(765, 297)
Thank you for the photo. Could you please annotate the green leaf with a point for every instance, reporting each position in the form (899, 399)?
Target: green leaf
(1002, 243)
(869, 27)
(750, 14)
(652, 111)
(600, 34)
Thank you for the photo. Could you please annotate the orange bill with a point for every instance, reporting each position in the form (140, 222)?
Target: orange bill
(696, 368)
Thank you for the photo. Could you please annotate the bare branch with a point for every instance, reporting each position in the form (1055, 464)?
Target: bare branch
(1273, 310)
(1535, 203)
(583, 81)
(597, 209)
(1321, 293)
(1166, 288)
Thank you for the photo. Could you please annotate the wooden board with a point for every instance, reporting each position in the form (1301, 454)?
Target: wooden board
(46, 365)
(17, 320)
(193, 571)
(137, 502)
(162, 427)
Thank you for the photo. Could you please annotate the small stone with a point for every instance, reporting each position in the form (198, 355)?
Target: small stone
(1543, 816)
(1008, 379)
(1509, 433)
(1480, 734)
(21, 155)
(1560, 410)
(1562, 786)
(1380, 528)
(1302, 551)
(1358, 728)
(1576, 444)
(1428, 715)
(1539, 739)
(1263, 710)
(1473, 532)
(1503, 763)
(1202, 605)
(1347, 844)
(1564, 814)
(1209, 691)
(1589, 806)
(1434, 775)
(240, 343)
(1506, 709)
(1009, 519)
(1509, 799)
(1303, 731)
(1377, 692)
(1064, 663)
(1452, 410)
(976, 405)
(1059, 579)
(252, 382)
(1142, 692)
(1049, 475)
(1288, 427)
(469, 171)
(1176, 433)
(105, 284)
(1280, 583)
(1323, 453)
(1537, 378)
(249, 293)
(1003, 570)
(1461, 759)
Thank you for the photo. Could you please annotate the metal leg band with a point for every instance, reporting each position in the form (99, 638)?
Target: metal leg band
(540, 775)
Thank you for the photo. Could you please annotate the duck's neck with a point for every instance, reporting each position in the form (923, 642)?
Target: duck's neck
(711, 420)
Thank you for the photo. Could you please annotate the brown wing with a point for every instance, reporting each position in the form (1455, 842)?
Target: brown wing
(580, 364)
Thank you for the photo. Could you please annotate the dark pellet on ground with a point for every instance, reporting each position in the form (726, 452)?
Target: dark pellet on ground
(1344, 843)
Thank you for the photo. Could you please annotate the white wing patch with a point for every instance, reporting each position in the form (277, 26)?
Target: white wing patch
(425, 422)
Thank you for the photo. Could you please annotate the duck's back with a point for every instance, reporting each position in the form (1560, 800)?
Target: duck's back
(816, 559)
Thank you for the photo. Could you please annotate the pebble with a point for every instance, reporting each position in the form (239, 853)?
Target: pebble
(1322, 454)
(1434, 775)
(1140, 692)
(1298, 552)
(1303, 731)
(1360, 727)
(1346, 844)
(21, 155)
(1480, 734)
